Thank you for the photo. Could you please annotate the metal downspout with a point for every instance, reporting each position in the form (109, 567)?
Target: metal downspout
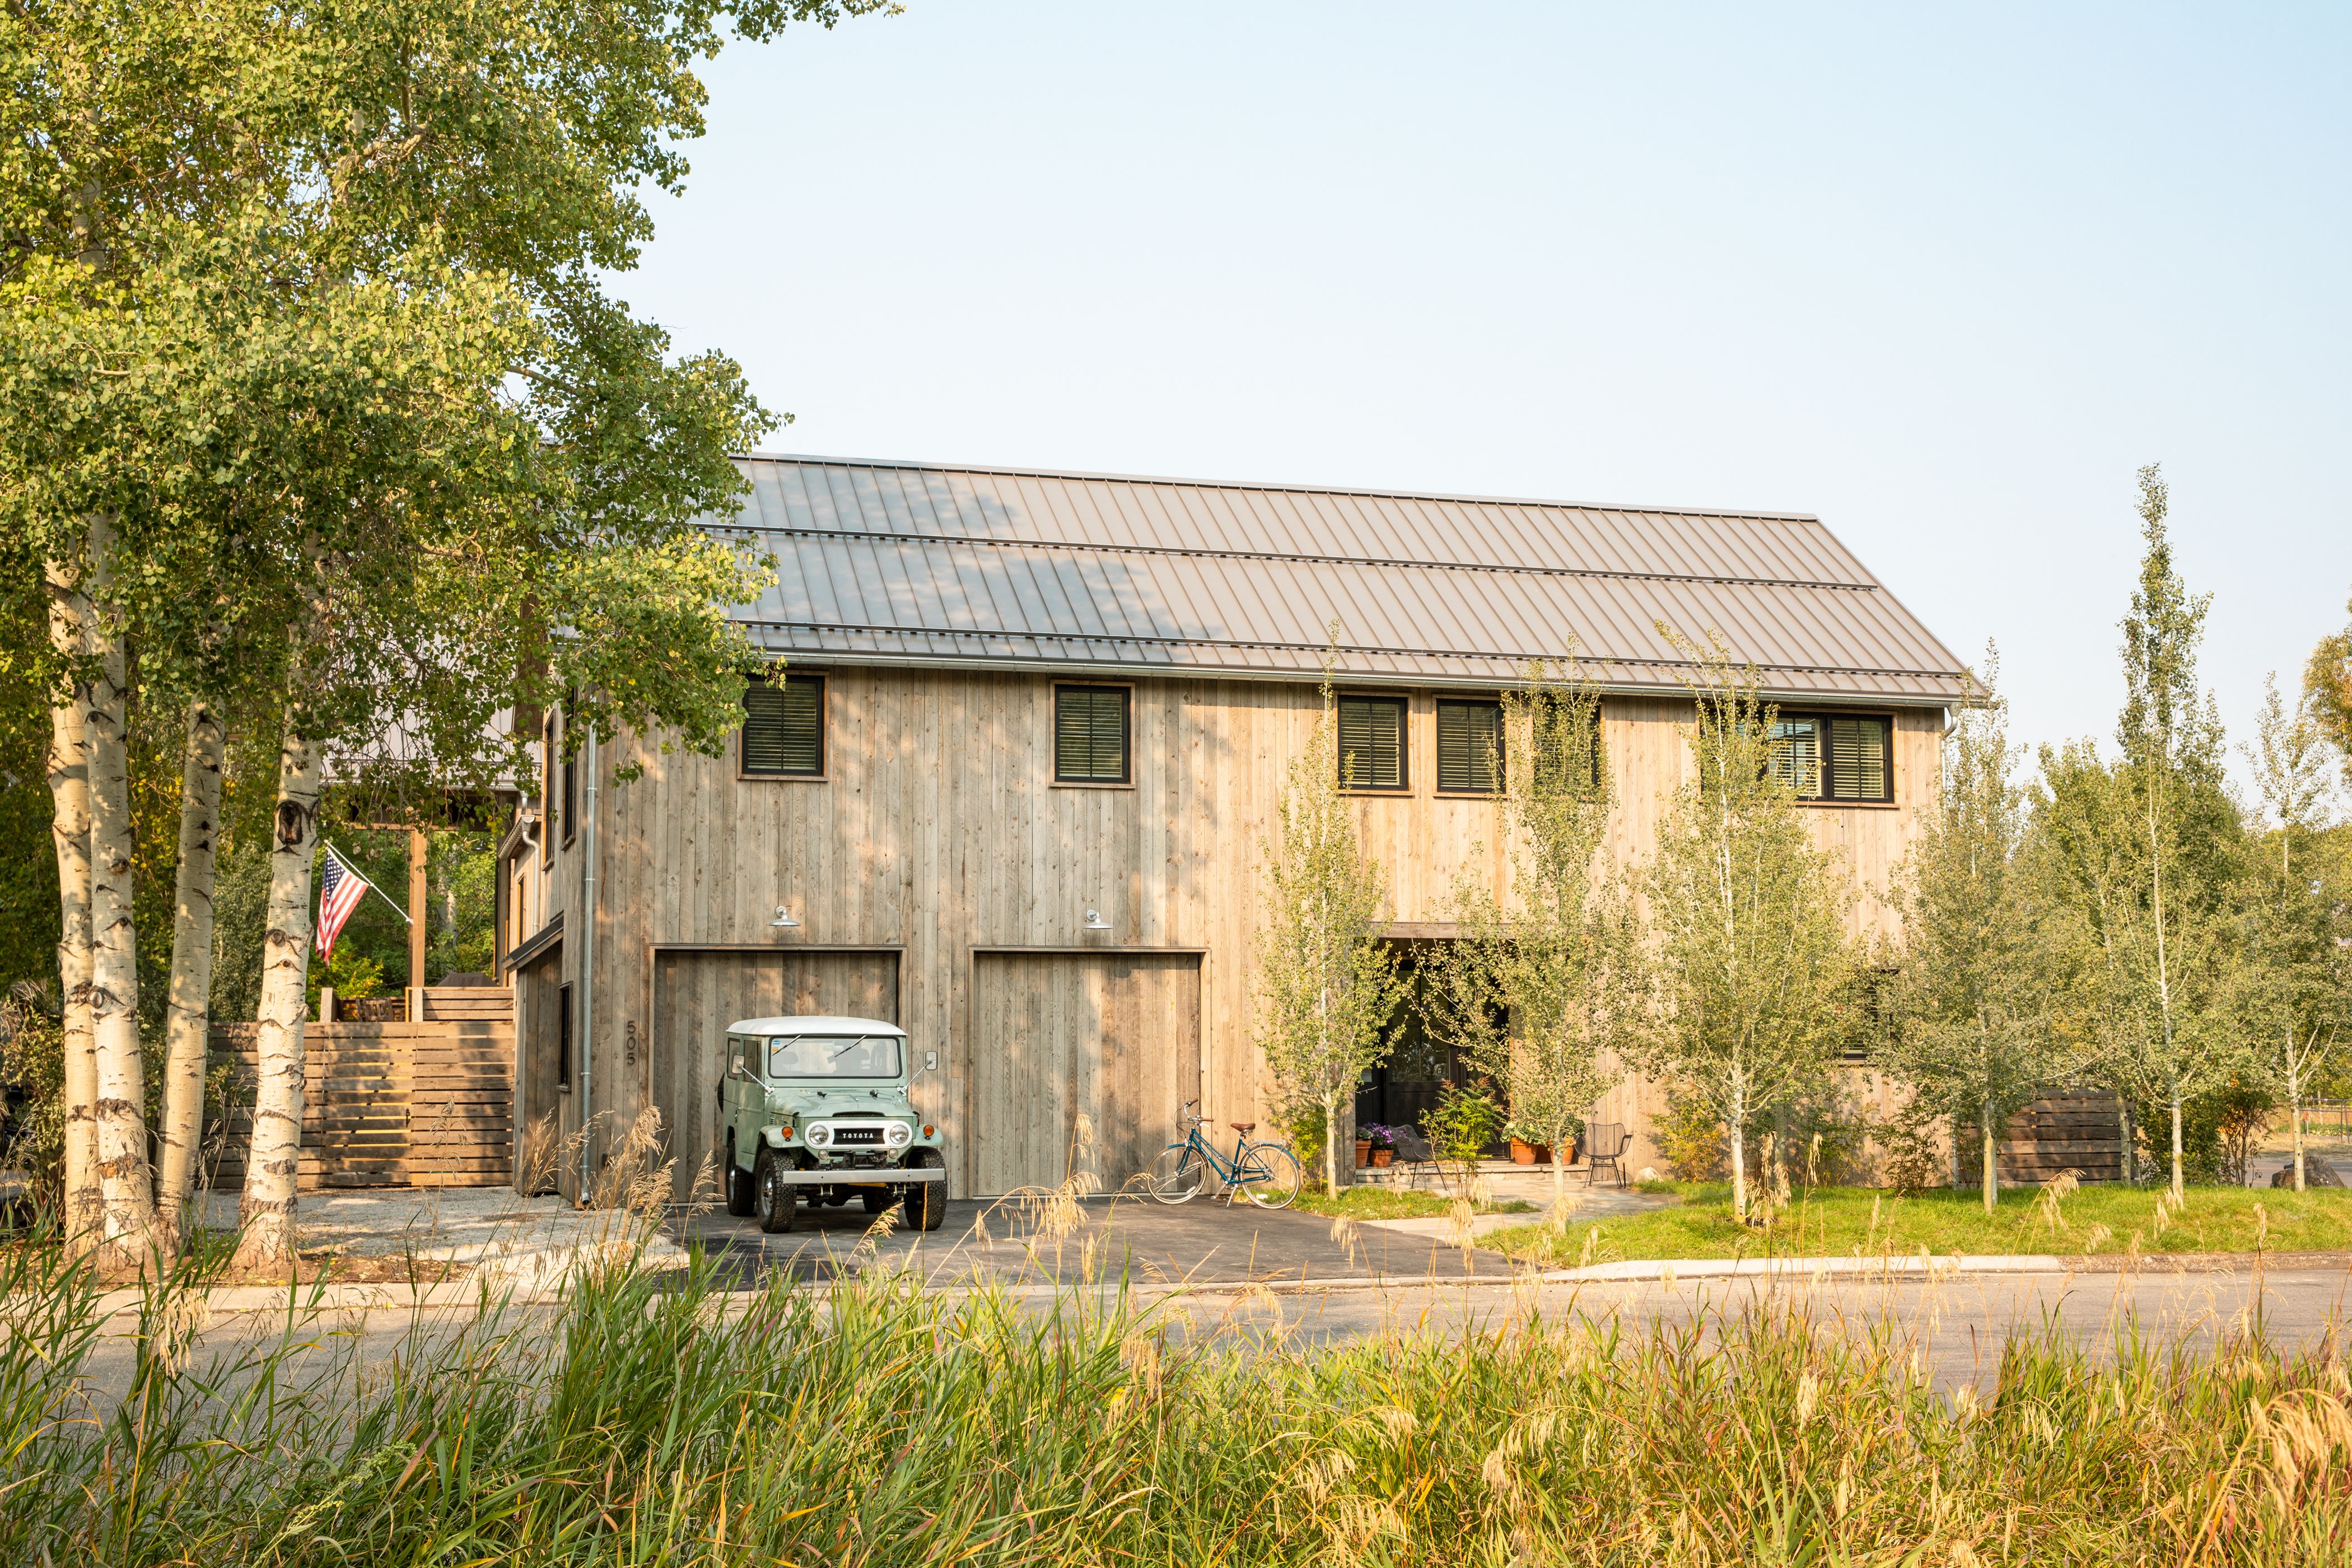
(588, 980)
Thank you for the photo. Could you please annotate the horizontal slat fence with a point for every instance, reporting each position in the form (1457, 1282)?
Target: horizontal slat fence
(2078, 1131)
(389, 1105)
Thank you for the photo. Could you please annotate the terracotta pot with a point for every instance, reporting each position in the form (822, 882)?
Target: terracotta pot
(1525, 1154)
(1383, 1156)
(1363, 1152)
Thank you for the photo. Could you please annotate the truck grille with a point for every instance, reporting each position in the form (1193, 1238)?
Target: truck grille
(844, 1136)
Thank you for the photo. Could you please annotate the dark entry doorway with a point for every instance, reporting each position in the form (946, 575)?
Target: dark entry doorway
(1405, 1090)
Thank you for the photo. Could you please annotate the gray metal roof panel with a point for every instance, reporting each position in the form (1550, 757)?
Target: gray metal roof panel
(906, 561)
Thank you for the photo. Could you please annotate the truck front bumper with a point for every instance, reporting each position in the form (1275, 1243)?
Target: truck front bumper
(867, 1176)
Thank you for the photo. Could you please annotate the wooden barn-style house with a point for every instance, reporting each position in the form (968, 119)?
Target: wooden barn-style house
(1013, 785)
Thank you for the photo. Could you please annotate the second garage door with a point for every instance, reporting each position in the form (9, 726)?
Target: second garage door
(1113, 1038)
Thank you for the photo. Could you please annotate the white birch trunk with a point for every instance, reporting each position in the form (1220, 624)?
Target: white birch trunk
(267, 1215)
(70, 827)
(181, 1132)
(1991, 1171)
(2178, 1179)
(126, 1181)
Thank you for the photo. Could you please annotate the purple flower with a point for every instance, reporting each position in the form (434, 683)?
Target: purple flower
(1374, 1132)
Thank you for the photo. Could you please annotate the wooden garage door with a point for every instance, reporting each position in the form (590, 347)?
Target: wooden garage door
(1113, 1037)
(697, 994)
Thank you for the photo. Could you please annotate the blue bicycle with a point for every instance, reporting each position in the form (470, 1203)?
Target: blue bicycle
(1267, 1174)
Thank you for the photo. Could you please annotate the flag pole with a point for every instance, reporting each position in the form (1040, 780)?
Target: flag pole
(352, 870)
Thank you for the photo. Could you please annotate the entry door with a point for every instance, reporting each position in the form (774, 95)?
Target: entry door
(697, 994)
(1113, 1038)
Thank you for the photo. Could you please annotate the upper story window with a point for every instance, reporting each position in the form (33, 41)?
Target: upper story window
(1836, 757)
(1090, 734)
(1371, 742)
(1469, 746)
(569, 804)
(783, 727)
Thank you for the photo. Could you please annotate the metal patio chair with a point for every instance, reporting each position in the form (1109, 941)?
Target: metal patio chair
(1605, 1144)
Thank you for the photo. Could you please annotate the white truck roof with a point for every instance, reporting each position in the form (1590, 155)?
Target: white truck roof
(813, 1025)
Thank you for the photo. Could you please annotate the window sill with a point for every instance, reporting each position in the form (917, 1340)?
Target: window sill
(1853, 804)
(1380, 794)
(1469, 795)
(1091, 783)
(741, 777)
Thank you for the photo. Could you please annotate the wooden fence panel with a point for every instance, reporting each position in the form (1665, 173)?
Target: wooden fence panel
(388, 1105)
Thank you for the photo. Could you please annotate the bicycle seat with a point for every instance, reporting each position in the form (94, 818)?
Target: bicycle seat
(1242, 1126)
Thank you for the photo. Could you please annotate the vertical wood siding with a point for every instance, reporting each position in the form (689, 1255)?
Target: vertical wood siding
(938, 830)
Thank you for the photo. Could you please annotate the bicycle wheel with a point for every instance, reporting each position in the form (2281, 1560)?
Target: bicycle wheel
(1269, 1174)
(1175, 1174)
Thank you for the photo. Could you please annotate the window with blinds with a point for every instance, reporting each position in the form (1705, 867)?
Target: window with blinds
(1469, 746)
(1371, 742)
(783, 727)
(1831, 756)
(1090, 734)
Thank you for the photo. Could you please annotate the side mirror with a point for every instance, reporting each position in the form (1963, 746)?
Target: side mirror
(737, 1068)
(930, 1061)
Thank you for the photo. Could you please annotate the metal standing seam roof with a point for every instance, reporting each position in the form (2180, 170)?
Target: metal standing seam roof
(927, 564)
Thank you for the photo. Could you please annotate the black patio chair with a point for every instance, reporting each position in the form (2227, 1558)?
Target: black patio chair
(1605, 1144)
(1414, 1154)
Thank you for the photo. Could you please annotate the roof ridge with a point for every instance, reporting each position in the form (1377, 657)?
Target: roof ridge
(1275, 487)
(1226, 553)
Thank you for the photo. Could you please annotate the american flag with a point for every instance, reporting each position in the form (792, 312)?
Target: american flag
(341, 888)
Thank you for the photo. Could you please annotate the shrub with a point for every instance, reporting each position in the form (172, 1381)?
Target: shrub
(1691, 1140)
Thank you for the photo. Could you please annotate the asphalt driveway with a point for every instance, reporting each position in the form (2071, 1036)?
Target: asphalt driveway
(1013, 1242)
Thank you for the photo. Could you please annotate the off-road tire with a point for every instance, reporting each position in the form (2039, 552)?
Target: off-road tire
(927, 1201)
(777, 1202)
(739, 1182)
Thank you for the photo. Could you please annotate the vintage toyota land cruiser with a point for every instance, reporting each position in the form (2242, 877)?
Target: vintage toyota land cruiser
(818, 1109)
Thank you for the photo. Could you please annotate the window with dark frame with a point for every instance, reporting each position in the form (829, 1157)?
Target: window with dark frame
(1835, 756)
(1469, 746)
(1372, 743)
(783, 727)
(571, 779)
(1090, 734)
(564, 1036)
(1557, 748)
(547, 825)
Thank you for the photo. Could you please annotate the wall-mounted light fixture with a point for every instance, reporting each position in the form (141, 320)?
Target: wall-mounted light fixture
(1095, 920)
(783, 920)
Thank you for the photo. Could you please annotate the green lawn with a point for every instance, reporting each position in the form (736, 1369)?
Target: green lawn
(1833, 1222)
(1385, 1202)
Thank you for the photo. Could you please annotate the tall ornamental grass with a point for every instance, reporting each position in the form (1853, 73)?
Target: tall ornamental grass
(667, 1421)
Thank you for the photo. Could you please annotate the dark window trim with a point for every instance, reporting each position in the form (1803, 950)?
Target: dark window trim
(564, 1039)
(823, 732)
(547, 815)
(1404, 743)
(1437, 769)
(1125, 690)
(1824, 717)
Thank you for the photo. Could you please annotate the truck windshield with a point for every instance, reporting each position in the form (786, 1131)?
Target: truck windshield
(832, 1056)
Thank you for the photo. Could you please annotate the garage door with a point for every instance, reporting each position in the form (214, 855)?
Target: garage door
(1114, 1037)
(697, 994)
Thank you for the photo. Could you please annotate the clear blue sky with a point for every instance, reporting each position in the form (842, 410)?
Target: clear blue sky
(1946, 280)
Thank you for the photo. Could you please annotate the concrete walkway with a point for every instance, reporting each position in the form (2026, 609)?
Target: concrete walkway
(479, 1236)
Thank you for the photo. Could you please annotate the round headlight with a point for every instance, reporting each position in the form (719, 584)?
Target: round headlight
(820, 1135)
(896, 1134)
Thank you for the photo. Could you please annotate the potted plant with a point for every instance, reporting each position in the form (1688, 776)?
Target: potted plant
(1525, 1149)
(1380, 1141)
